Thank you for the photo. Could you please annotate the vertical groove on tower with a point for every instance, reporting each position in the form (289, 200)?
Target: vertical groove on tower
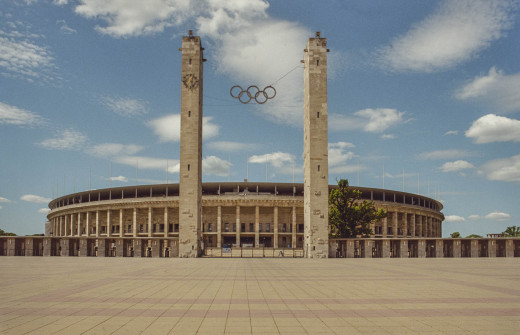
(190, 173)
(315, 150)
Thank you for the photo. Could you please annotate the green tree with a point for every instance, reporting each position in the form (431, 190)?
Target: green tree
(512, 231)
(473, 236)
(348, 215)
(455, 235)
(4, 233)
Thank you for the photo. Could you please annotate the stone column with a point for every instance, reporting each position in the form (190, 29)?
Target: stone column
(156, 250)
(29, 245)
(238, 226)
(109, 223)
(439, 249)
(47, 245)
(406, 224)
(385, 227)
(101, 247)
(474, 248)
(134, 223)
(87, 227)
(257, 224)
(510, 248)
(121, 224)
(386, 249)
(166, 225)
(412, 225)
(315, 149)
(457, 248)
(367, 252)
(421, 252)
(275, 227)
(350, 249)
(492, 248)
(64, 247)
(429, 228)
(395, 224)
(138, 248)
(293, 225)
(82, 247)
(97, 223)
(403, 248)
(219, 226)
(150, 221)
(79, 225)
(120, 247)
(190, 173)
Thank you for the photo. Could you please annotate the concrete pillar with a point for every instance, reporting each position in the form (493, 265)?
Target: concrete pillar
(47, 245)
(385, 227)
(457, 248)
(82, 247)
(403, 248)
(293, 227)
(439, 249)
(238, 226)
(421, 252)
(101, 247)
(150, 221)
(138, 248)
(315, 152)
(79, 225)
(166, 225)
(109, 223)
(156, 250)
(29, 245)
(190, 174)
(64, 243)
(367, 251)
(474, 248)
(386, 249)
(412, 225)
(121, 224)
(219, 226)
(492, 248)
(120, 247)
(134, 223)
(510, 248)
(275, 226)
(395, 224)
(97, 223)
(350, 248)
(257, 226)
(87, 224)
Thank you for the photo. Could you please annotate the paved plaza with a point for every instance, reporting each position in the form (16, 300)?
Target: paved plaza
(60, 295)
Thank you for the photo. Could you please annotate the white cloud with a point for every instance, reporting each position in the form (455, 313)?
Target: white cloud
(247, 44)
(338, 154)
(64, 28)
(455, 32)
(127, 107)
(493, 128)
(370, 120)
(498, 216)
(67, 139)
(495, 87)
(451, 132)
(454, 218)
(456, 166)
(388, 136)
(44, 210)
(228, 146)
(505, 169)
(213, 165)
(4, 200)
(168, 128)
(60, 2)
(276, 159)
(21, 57)
(122, 179)
(109, 150)
(474, 217)
(35, 198)
(149, 163)
(19, 117)
(445, 154)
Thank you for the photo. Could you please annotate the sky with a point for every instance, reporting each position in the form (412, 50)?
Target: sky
(423, 96)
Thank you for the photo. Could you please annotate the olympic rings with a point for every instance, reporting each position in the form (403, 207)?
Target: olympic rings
(252, 92)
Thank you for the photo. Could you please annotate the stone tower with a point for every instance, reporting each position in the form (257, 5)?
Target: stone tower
(190, 173)
(315, 149)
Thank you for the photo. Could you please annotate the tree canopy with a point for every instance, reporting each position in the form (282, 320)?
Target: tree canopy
(4, 233)
(455, 235)
(512, 231)
(348, 215)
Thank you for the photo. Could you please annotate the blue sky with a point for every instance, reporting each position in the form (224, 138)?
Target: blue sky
(426, 93)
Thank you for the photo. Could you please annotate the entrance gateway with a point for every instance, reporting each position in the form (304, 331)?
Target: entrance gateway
(315, 151)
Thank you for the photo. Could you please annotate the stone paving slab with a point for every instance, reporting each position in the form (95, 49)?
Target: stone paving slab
(54, 295)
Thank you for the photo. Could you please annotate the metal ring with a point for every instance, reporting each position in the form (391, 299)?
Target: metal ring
(267, 94)
(231, 91)
(253, 92)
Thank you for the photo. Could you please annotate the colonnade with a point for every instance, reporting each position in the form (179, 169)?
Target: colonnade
(408, 224)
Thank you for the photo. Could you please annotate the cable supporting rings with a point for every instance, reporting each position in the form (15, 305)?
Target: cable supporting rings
(253, 92)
